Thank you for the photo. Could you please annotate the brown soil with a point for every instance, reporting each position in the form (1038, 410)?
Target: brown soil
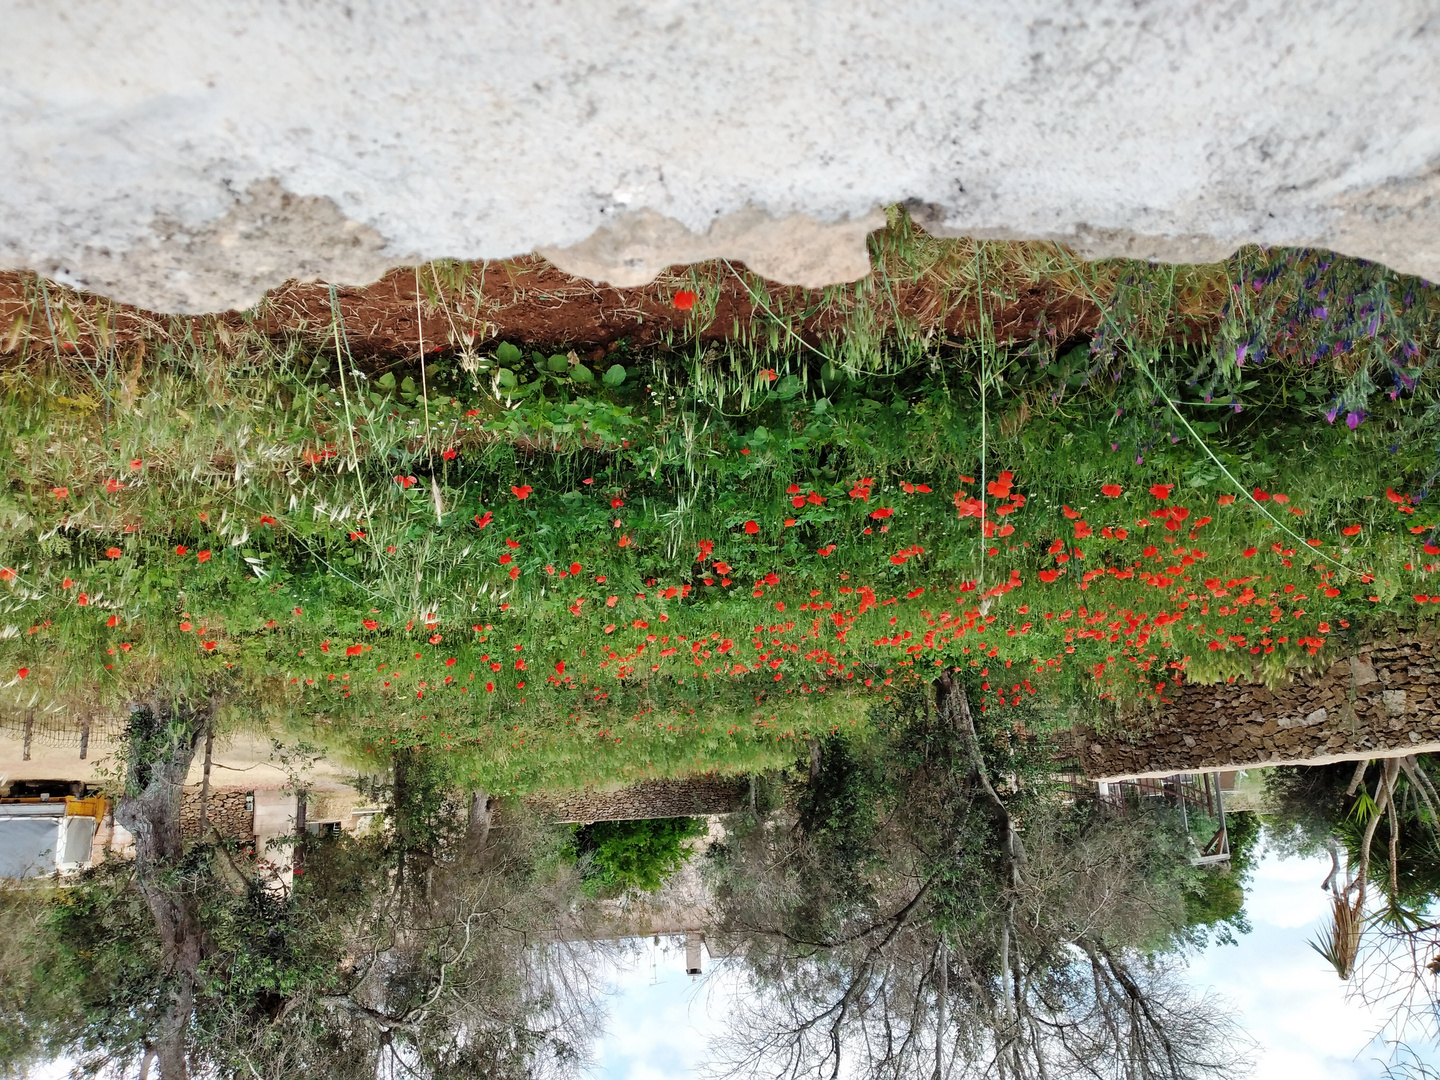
(528, 301)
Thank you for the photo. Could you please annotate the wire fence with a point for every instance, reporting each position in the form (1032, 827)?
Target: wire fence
(35, 728)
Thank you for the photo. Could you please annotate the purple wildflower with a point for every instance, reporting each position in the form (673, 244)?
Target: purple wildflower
(1354, 420)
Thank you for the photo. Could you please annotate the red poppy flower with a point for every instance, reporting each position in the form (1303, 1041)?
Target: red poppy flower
(113, 553)
(60, 492)
(354, 650)
(435, 639)
(575, 568)
(66, 583)
(513, 545)
(560, 667)
(1111, 490)
(791, 521)
(112, 485)
(616, 503)
(450, 661)
(506, 559)
(405, 481)
(1249, 553)
(624, 541)
(7, 574)
(1350, 530)
(1161, 491)
(114, 620)
(185, 627)
(483, 521)
(203, 556)
(882, 513)
(209, 646)
(683, 300)
(20, 673)
(266, 519)
(1049, 575)
(489, 687)
(769, 374)
(751, 528)
(514, 572)
(450, 454)
(1225, 500)
(521, 492)
(136, 463)
(370, 624)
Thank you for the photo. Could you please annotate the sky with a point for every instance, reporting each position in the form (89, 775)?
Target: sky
(1289, 999)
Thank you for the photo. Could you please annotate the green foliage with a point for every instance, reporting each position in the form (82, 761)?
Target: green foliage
(1306, 805)
(1215, 897)
(633, 856)
(389, 553)
(82, 969)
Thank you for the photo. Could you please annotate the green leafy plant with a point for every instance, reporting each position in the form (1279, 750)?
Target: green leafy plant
(634, 856)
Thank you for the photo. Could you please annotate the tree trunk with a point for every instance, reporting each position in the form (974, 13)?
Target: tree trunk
(205, 781)
(162, 739)
(477, 829)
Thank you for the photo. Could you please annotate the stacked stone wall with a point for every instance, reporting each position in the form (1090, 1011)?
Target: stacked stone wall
(226, 811)
(690, 797)
(1386, 698)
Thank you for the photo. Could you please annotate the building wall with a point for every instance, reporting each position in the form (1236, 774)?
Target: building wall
(187, 160)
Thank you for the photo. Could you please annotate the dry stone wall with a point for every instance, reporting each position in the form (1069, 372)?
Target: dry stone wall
(1383, 699)
(691, 797)
(229, 811)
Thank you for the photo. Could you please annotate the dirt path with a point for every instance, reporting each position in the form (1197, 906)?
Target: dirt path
(240, 761)
(529, 302)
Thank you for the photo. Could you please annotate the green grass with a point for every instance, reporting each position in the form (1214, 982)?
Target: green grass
(342, 600)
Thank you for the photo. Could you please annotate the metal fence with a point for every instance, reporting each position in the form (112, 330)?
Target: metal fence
(1196, 796)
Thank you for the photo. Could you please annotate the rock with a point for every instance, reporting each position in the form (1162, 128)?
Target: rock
(1362, 670)
(1319, 716)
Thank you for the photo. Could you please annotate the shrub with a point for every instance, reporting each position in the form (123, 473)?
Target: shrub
(634, 856)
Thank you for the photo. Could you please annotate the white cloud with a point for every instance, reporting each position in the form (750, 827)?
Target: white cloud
(1287, 996)
(661, 1020)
